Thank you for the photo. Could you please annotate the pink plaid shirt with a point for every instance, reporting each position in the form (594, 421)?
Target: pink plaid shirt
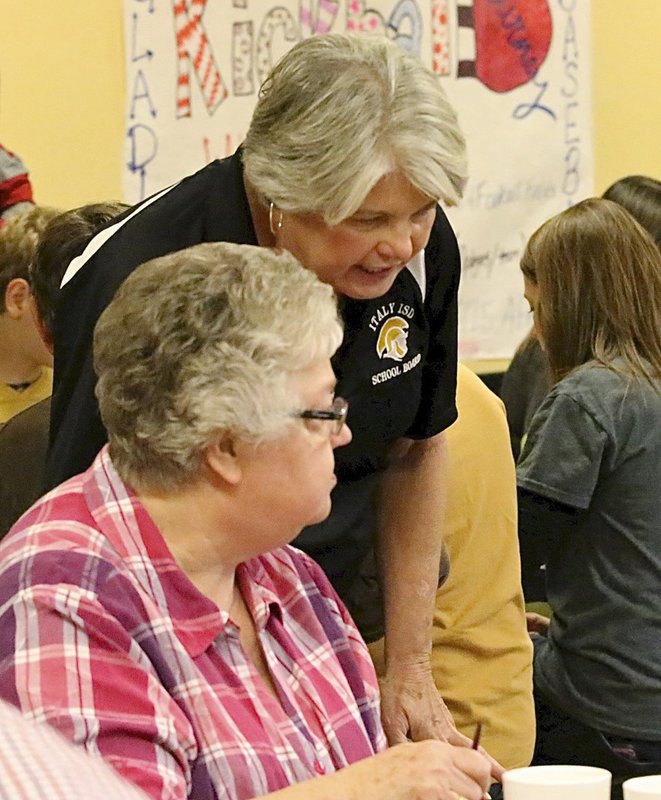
(38, 764)
(103, 636)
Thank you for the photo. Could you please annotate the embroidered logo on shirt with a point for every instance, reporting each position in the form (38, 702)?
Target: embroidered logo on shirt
(392, 341)
(390, 323)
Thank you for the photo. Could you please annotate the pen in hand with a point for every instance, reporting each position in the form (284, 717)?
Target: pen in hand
(476, 736)
(474, 746)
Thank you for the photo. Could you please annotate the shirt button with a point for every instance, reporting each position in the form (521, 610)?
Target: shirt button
(319, 768)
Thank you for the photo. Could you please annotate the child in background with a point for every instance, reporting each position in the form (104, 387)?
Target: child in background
(528, 378)
(24, 438)
(588, 483)
(26, 374)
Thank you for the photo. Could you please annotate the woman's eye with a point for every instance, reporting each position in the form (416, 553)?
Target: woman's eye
(366, 222)
(422, 216)
(315, 425)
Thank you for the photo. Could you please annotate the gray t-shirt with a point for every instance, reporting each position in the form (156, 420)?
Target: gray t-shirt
(595, 444)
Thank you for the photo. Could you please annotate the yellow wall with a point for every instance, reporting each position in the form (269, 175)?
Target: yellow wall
(61, 93)
(61, 96)
(627, 94)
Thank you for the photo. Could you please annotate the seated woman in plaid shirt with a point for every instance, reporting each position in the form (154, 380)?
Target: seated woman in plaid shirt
(151, 608)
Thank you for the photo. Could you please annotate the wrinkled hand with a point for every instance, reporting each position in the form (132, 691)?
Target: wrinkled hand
(429, 770)
(538, 623)
(413, 709)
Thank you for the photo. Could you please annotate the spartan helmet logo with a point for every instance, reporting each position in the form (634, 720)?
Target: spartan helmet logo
(392, 339)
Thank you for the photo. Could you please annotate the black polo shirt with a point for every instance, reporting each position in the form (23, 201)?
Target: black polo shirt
(396, 366)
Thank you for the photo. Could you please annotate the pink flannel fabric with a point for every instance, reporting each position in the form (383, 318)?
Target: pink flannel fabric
(38, 764)
(104, 637)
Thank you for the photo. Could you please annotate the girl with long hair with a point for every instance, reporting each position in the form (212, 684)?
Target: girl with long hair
(588, 483)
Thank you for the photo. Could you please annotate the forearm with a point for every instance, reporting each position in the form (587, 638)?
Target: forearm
(348, 783)
(411, 517)
(411, 507)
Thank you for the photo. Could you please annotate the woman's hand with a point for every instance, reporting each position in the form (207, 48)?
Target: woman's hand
(537, 623)
(429, 770)
(412, 708)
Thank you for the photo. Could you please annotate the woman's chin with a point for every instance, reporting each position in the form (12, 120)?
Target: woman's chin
(363, 284)
(322, 514)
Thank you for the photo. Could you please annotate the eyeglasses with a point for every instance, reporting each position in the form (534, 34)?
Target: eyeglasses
(337, 413)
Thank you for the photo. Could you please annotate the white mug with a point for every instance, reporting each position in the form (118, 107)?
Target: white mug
(557, 782)
(648, 787)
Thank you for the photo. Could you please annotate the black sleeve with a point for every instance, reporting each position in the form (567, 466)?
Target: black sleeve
(542, 523)
(207, 206)
(438, 408)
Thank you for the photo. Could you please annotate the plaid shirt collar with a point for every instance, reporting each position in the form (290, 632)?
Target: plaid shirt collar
(122, 518)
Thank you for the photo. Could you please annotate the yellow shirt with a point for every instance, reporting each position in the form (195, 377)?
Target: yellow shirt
(482, 654)
(13, 401)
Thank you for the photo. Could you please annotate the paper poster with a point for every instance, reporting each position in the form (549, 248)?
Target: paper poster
(518, 72)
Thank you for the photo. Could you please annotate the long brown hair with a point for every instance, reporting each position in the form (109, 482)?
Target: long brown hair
(641, 196)
(599, 278)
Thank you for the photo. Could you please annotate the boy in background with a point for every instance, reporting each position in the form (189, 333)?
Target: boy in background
(24, 439)
(26, 374)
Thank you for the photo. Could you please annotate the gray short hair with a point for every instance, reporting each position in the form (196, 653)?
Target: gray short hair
(201, 341)
(337, 113)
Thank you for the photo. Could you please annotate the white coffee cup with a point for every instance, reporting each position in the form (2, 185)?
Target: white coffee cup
(557, 782)
(647, 787)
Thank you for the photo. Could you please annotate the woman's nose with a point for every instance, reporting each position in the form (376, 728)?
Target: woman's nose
(397, 244)
(343, 437)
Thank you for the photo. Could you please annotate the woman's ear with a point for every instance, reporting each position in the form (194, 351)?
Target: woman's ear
(222, 459)
(17, 298)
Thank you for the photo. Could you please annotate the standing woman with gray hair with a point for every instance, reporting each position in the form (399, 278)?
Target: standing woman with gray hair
(352, 146)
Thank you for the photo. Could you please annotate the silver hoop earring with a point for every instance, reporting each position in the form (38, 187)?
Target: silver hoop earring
(274, 226)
